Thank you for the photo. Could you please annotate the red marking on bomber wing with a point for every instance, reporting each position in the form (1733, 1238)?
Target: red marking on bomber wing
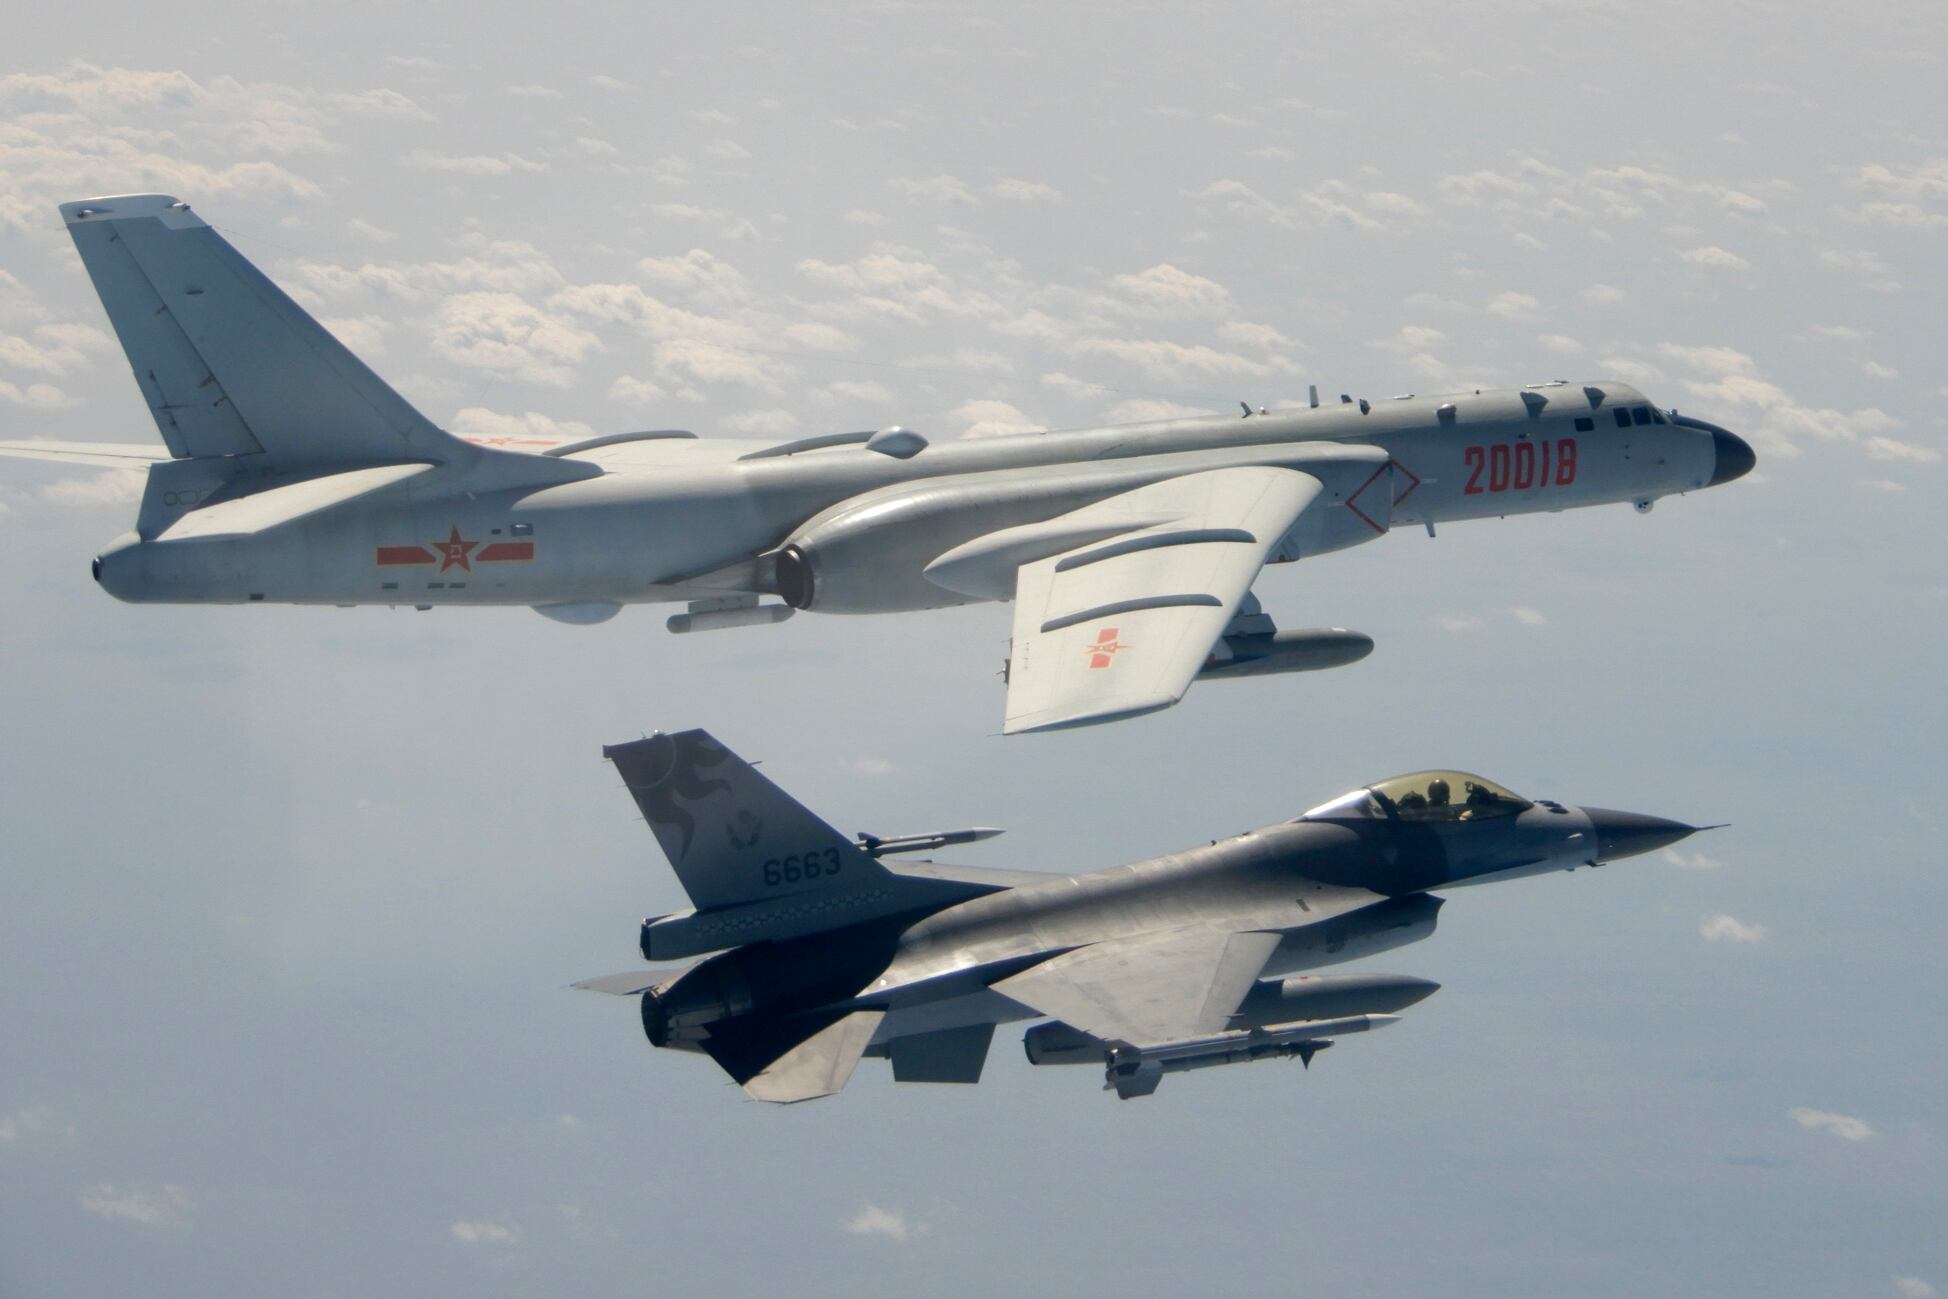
(498, 550)
(1104, 651)
(404, 555)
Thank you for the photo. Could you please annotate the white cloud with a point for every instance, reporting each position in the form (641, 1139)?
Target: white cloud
(763, 423)
(167, 1204)
(819, 338)
(1911, 215)
(1730, 929)
(864, 390)
(480, 424)
(868, 764)
(1253, 335)
(1071, 386)
(472, 164)
(1514, 306)
(699, 273)
(1166, 284)
(875, 1221)
(24, 1122)
(1713, 255)
(1175, 360)
(1560, 344)
(1456, 622)
(1844, 1126)
(990, 418)
(1913, 1287)
(1928, 179)
(485, 1233)
(35, 396)
(1694, 861)
(1879, 447)
(1603, 295)
(1872, 269)
(1138, 409)
(636, 392)
(940, 189)
(1025, 191)
(506, 335)
(365, 335)
(1731, 377)
(1528, 617)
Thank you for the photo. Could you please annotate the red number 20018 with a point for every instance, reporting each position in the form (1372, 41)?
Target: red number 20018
(1521, 466)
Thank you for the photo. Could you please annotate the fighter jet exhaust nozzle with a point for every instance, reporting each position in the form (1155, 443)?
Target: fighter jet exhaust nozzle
(1628, 834)
(714, 991)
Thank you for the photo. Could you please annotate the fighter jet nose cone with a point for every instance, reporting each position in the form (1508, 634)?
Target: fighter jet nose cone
(1735, 456)
(1626, 834)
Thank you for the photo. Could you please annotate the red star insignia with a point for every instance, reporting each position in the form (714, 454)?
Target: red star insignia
(454, 551)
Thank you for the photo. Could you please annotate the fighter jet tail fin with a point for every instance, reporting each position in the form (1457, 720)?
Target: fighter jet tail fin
(229, 364)
(756, 863)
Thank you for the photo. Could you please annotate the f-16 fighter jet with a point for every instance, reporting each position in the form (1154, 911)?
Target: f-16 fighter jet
(290, 473)
(826, 953)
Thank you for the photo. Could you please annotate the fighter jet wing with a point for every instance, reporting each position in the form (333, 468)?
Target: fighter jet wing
(1150, 989)
(103, 455)
(1118, 627)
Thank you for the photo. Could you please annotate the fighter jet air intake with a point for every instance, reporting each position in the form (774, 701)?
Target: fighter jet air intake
(827, 953)
(290, 473)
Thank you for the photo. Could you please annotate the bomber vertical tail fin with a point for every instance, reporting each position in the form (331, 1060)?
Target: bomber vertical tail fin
(229, 364)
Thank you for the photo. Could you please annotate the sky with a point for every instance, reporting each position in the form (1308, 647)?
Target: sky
(292, 897)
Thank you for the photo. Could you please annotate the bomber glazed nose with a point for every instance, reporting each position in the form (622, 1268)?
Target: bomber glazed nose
(1735, 456)
(1626, 834)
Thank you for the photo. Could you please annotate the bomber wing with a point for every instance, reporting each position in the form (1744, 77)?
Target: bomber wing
(1148, 989)
(1118, 627)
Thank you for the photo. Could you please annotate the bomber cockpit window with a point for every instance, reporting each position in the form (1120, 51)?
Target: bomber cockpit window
(1447, 796)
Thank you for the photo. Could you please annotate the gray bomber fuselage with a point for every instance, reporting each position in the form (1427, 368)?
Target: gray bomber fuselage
(675, 519)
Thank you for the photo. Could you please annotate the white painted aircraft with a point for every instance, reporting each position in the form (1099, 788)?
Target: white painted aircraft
(290, 473)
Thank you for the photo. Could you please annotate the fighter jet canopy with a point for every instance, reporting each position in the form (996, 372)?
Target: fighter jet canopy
(1424, 796)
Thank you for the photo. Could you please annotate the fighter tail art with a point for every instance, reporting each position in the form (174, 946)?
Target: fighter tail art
(818, 952)
(290, 473)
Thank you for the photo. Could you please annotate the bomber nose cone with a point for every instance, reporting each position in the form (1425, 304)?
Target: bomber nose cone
(1626, 834)
(1735, 457)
